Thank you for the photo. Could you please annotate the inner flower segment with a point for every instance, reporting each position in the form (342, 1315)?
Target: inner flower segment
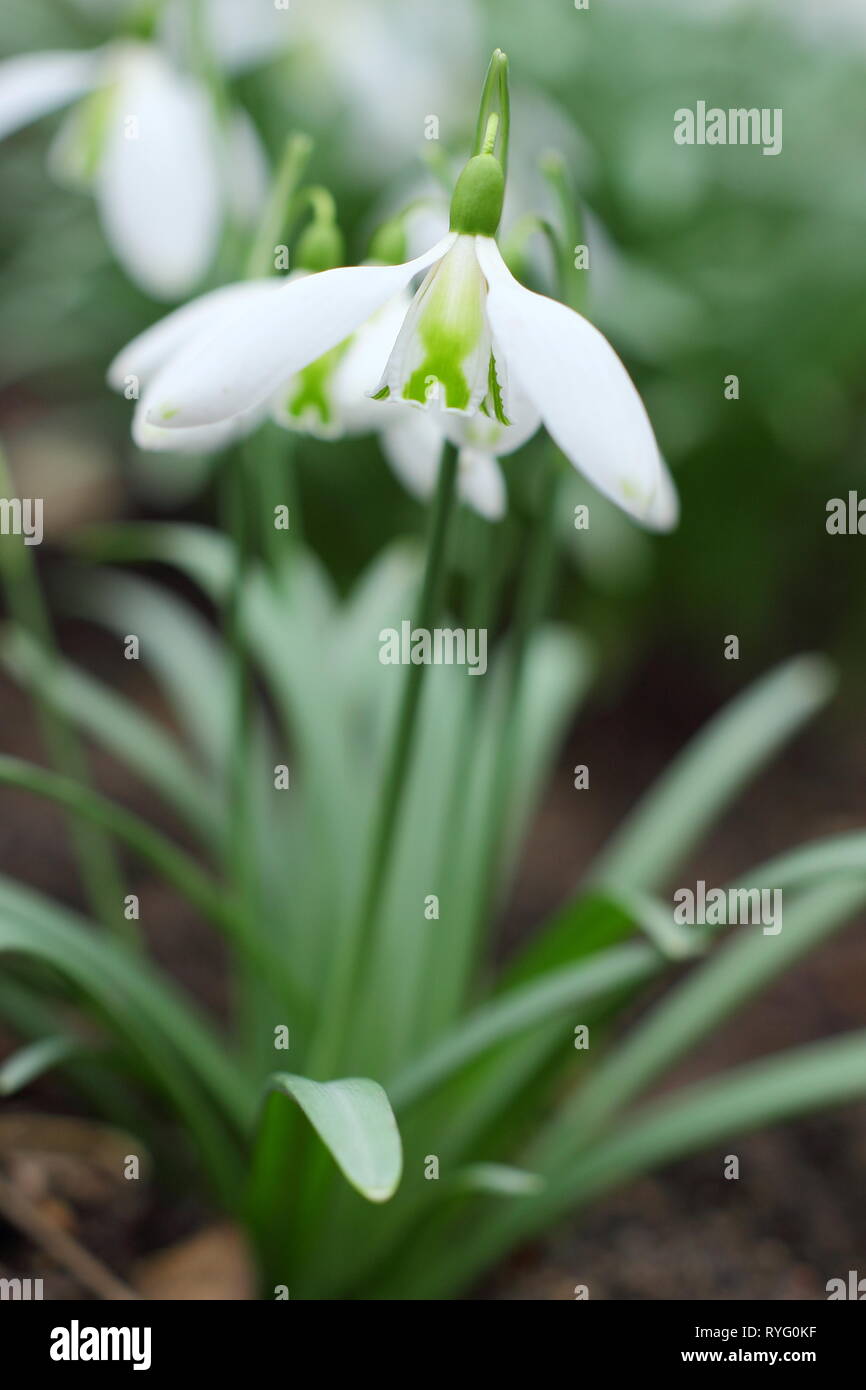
(309, 402)
(443, 350)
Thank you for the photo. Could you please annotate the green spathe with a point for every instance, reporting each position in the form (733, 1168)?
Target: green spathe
(476, 205)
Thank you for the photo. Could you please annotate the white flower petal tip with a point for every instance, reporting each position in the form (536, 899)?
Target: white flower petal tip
(480, 483)
(579, 386)
(35, 83)
(136, 364)
(245, 359)
(664, 509)
(206, 439)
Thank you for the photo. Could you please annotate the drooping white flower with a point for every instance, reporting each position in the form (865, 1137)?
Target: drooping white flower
(472, 339)
(143, 136)
(329, 398)
(469, 330)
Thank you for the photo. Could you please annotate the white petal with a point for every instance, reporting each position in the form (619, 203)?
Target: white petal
(205, 439)
(361, 369)
(246, 169)
(248, 357)
(36, 83)
(412, 444)
(158, 184)
(578, 384)
(481, 484)
(485, 433)
(664, 512)
(142, 357)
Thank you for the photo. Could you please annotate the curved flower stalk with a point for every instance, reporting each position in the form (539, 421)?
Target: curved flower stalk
(143, 136)
(472, 338)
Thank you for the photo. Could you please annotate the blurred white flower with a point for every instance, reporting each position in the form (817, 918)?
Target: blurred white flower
(144, 137)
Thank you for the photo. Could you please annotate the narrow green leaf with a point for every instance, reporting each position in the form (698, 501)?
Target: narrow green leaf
(126, 731)
(718, 1110)
(498, 1180)
(183, 1058)
(708, 774)
(709, 994)
(520, 1009)
(33, 1061)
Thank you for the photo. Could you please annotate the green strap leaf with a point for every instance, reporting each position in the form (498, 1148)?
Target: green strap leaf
(354, 1120)
(522, 1008)
(708, 774)
(755, 1096)
(710, 993)
(33, 1061)
(498, 1180)
(115, 722)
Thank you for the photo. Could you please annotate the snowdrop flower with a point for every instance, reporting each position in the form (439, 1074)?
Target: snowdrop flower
(144, 137)
(329, 398)
(473, 337)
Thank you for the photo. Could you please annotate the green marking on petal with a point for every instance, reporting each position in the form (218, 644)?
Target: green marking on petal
(449, 328)
(495, 394)
(312, 388)
(425, 381)
(382, 395)
(168, 412)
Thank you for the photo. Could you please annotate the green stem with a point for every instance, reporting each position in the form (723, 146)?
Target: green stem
(346, 959)
(272, 227)
(100, 877)
(531, 599)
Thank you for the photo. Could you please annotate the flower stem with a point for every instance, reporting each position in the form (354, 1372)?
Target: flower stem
(346, 960)
(281, 197)
(530, 603)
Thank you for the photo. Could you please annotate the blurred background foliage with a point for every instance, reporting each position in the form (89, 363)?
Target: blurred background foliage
(705, 262)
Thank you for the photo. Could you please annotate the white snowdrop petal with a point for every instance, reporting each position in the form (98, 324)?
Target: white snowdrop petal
(487, 434)
(664, 512)
(360, 370)
(248, 357)
(158, 183)
(481, 484)
(36, 83)
(246, 169)
(581, 389)
(144, 355)
(203, 439)
(412, 444)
